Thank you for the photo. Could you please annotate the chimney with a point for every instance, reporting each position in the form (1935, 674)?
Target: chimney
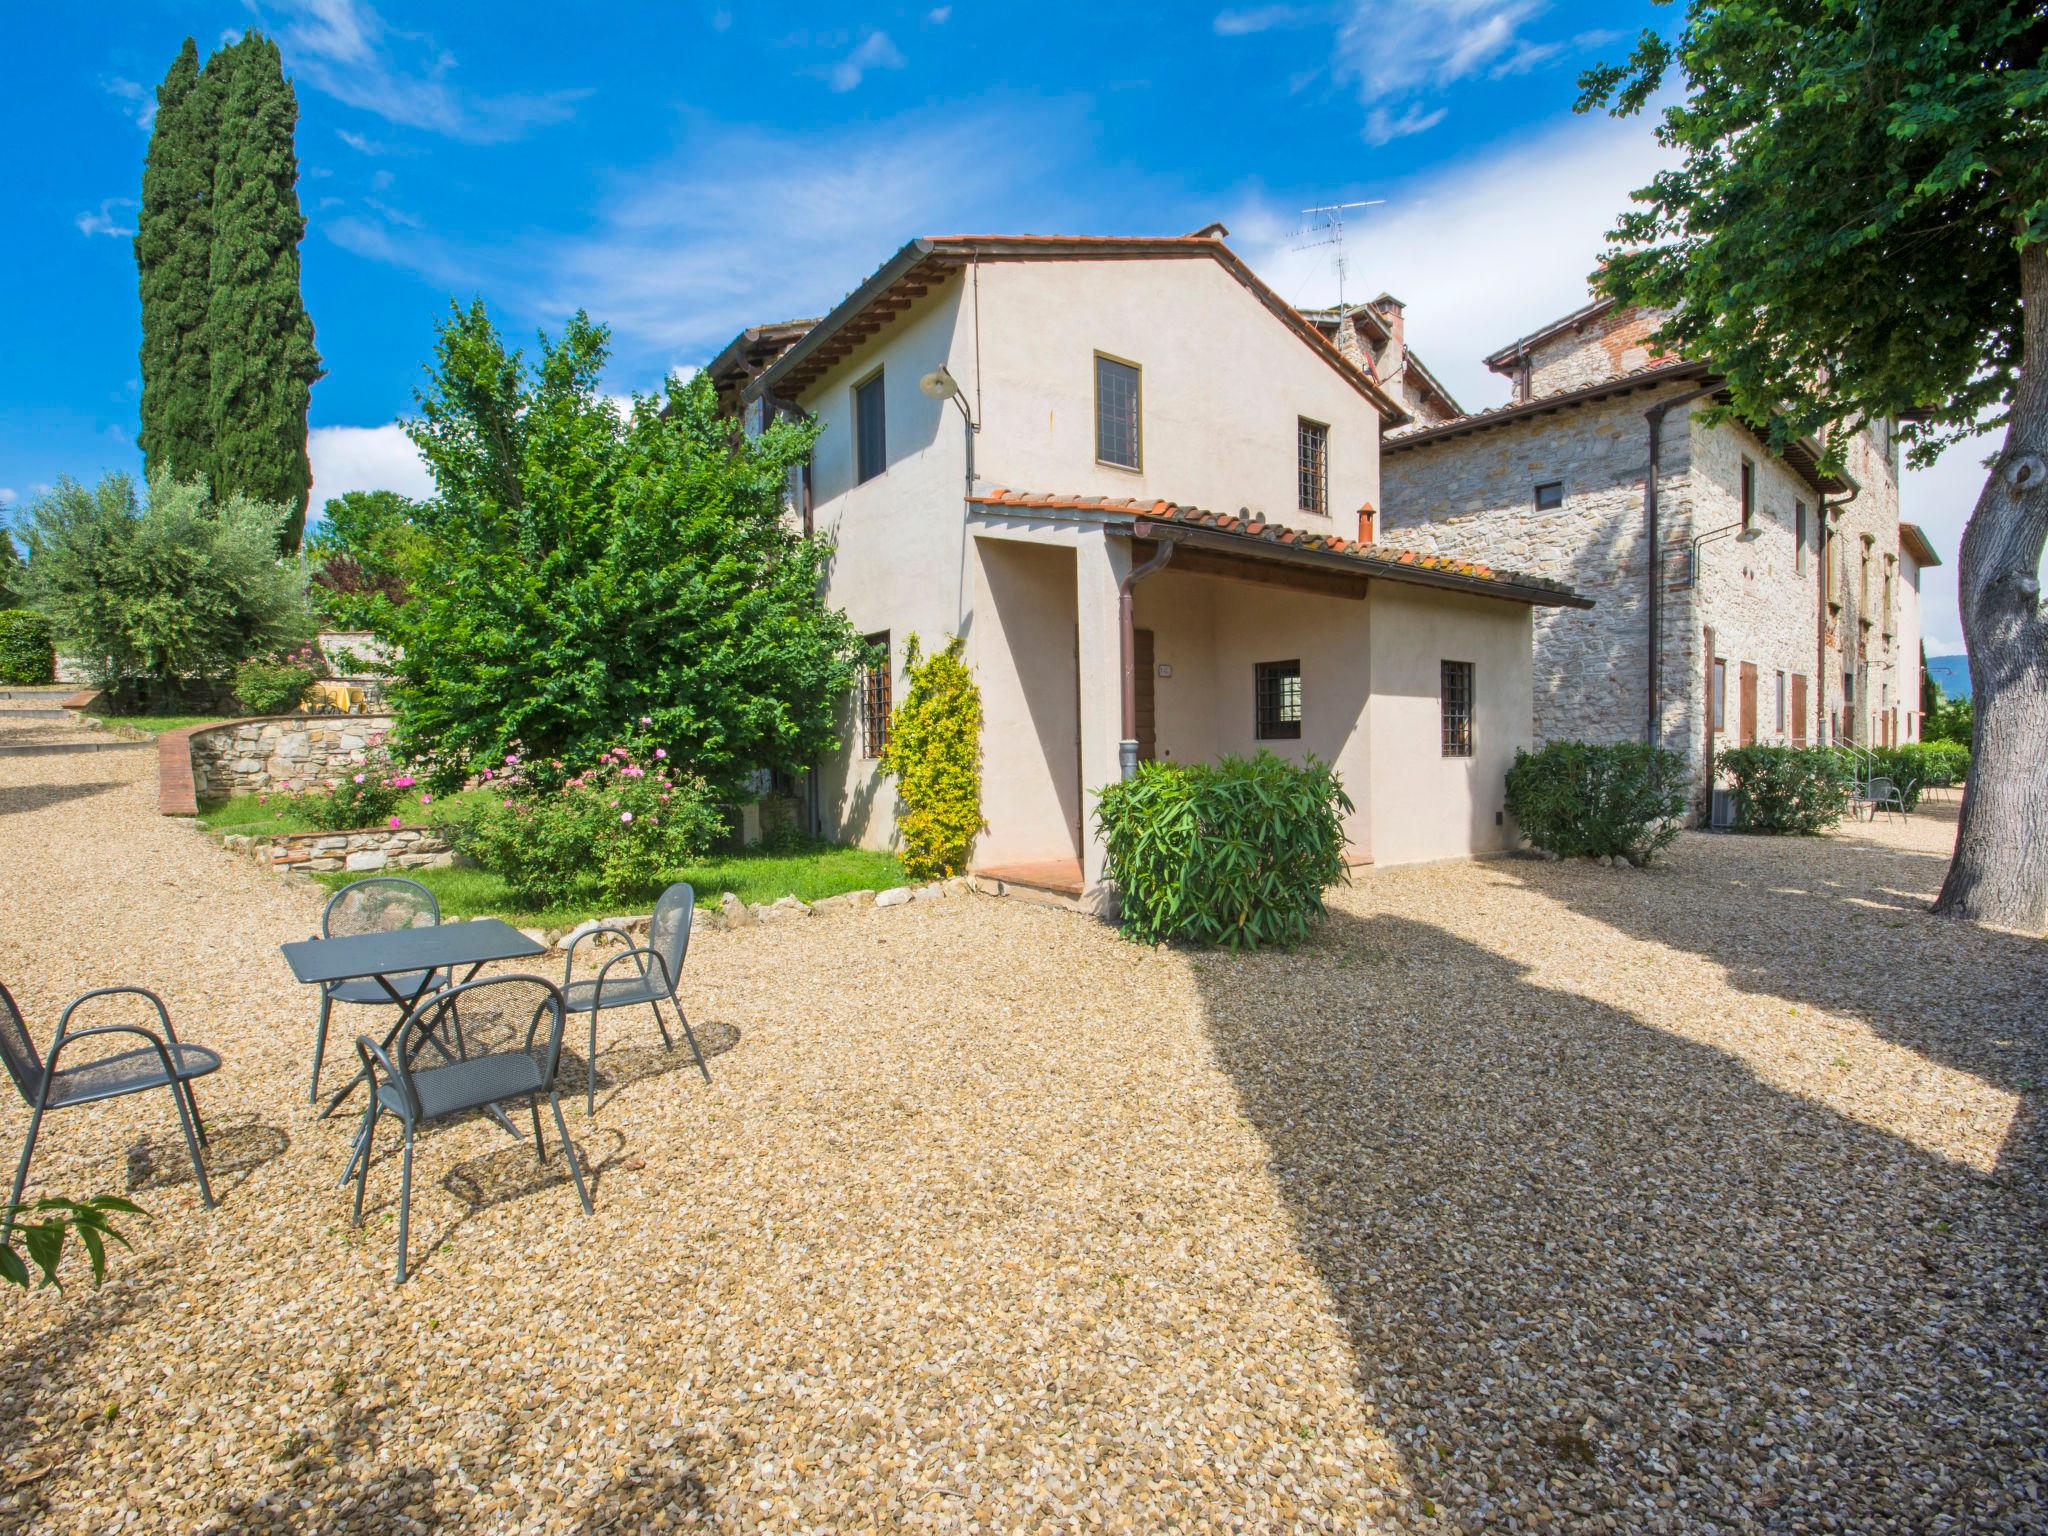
(1366, 518)
(1395, 357)
(1351, 345)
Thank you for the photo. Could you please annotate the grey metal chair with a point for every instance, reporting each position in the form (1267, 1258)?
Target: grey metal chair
(380, 904)
(657, 973)
(518, 1060)
(163, 1061)
(1884, 795)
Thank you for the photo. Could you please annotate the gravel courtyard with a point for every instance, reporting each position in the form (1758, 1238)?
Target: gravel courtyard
(1529, 1197)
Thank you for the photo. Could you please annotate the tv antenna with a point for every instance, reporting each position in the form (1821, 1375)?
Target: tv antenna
(1325, 226)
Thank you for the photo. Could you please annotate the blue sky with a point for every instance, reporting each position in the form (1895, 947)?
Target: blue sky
(681, 170)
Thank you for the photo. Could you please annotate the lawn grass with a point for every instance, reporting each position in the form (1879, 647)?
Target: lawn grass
(812, 874)
(257, 817)
(156, 725)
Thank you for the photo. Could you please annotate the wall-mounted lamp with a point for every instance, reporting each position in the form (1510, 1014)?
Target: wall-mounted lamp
(940, 384)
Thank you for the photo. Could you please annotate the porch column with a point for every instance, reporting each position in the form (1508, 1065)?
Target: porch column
(1100, 563)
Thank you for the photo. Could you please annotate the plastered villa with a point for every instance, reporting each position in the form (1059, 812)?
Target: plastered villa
(1143, 489)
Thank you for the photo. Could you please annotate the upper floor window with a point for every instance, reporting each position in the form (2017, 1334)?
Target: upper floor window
(870, 434)
(1799, 537)
(1550, 496)
(1748, 492)
(1117, 435)
(1312, 465)
(1276, 700)
(1456, 697)
(1719, 703)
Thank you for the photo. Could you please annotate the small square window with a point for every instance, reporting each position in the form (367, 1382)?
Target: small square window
(1117, 428)
(1550, 496)
(875, 702)
(1276, 695)
(1456, 698)
(1312, 465)
(870, 433)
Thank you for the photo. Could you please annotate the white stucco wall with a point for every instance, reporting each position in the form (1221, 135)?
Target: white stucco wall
(1425, 805)
(1908, 648)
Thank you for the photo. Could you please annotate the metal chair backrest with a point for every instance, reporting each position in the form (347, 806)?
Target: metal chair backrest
(381, 904)
(24, 1061)
(499, 1014)
(1881, 788)
(669, 933)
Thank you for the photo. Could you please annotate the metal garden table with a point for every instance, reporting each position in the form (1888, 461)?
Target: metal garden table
(382, 956)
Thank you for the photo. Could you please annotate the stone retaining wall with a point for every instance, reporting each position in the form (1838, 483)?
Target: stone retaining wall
(366, 851)
(304, 751)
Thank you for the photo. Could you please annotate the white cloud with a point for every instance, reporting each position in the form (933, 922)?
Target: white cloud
(875, 52)
(1382, 127)
(139, 99)
(939, 15)
(360, 143)
(344, 48)
(365, 459)
(110, 218)
(8, 495)
(1438, 243)
(1263, 18)
(1940, 500)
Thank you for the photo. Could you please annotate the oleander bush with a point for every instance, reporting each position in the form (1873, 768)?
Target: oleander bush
(1577, 799)
(626, 821)
(1235, 853)
(1797, 790)
(27, 646)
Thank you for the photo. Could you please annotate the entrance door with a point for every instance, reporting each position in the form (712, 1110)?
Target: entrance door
(1748, 704)
(1147, 673)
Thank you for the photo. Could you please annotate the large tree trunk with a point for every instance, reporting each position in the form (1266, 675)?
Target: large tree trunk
(2000, 870)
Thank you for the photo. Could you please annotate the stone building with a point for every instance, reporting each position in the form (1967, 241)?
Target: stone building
(1782, 603)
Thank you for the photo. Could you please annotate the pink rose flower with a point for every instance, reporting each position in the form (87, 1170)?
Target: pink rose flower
(359, 778)
(426, 799)
(394, 821)
(647, 720)
(487, 773)
(661, 752)
(625, 816)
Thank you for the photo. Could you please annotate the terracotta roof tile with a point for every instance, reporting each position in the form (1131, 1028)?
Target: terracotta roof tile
(1251, 527)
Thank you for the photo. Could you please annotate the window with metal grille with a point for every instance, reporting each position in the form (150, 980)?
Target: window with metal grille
(1312, 465)
(1117, 436)
(1456, 696)
(1550, 496)
(870, 430)
(1276, 695)
(875, 700)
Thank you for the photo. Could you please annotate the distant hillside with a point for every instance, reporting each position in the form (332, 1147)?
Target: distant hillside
(1952, 673)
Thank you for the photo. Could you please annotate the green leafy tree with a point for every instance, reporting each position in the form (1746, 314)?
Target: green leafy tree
(934, 752)
(13, 582)
(173, 246)
(259, 338)
(366, 547)
(154, 598)
(583, 569)
(1855, 234)
(1930, 690)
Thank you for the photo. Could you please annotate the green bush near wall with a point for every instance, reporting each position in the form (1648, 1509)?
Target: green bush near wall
(27, 647)
(1235, 854)
(1799, 790)
(1579, 800)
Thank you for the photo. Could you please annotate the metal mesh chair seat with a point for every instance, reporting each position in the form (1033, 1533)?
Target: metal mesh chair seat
(620, 987)
(368, 990)
(469, 1084)
(128, 1072)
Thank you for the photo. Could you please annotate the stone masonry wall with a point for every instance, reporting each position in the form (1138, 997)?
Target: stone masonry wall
(1611, 343)
(1474, 497)
(304, 751)
(367, 851)
(1864, 633)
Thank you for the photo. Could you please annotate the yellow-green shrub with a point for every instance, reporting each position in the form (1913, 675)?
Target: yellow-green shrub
(934, 752)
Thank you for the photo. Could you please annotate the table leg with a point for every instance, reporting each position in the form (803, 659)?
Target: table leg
(405, 1008)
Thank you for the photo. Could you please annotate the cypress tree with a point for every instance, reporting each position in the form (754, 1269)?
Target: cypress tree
(259, 338)
(173, 241)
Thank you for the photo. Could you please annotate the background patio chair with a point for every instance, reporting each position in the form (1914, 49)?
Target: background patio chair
(162, 1061)
(1884, 795)
(381, 904)
(655, 972)
(517, 1022)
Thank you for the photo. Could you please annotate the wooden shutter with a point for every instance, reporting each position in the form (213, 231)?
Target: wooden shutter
(1749, 704)
(1147, 675)
(1798, 709)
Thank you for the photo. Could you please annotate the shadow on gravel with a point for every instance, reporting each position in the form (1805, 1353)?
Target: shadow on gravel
(235, 1149)
(640, 1057)
(17, 799)
(1592, 1268)
(1841, 925)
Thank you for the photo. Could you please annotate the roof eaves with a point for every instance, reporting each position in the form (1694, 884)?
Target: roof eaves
(878, 282)
(1543, 405)
(1514, 349)
(1915, 543)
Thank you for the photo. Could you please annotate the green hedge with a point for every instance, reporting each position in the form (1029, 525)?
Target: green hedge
(1581, 800)
(1236, 853)
(27, 647)
(1788, 789)
(1915, 765)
